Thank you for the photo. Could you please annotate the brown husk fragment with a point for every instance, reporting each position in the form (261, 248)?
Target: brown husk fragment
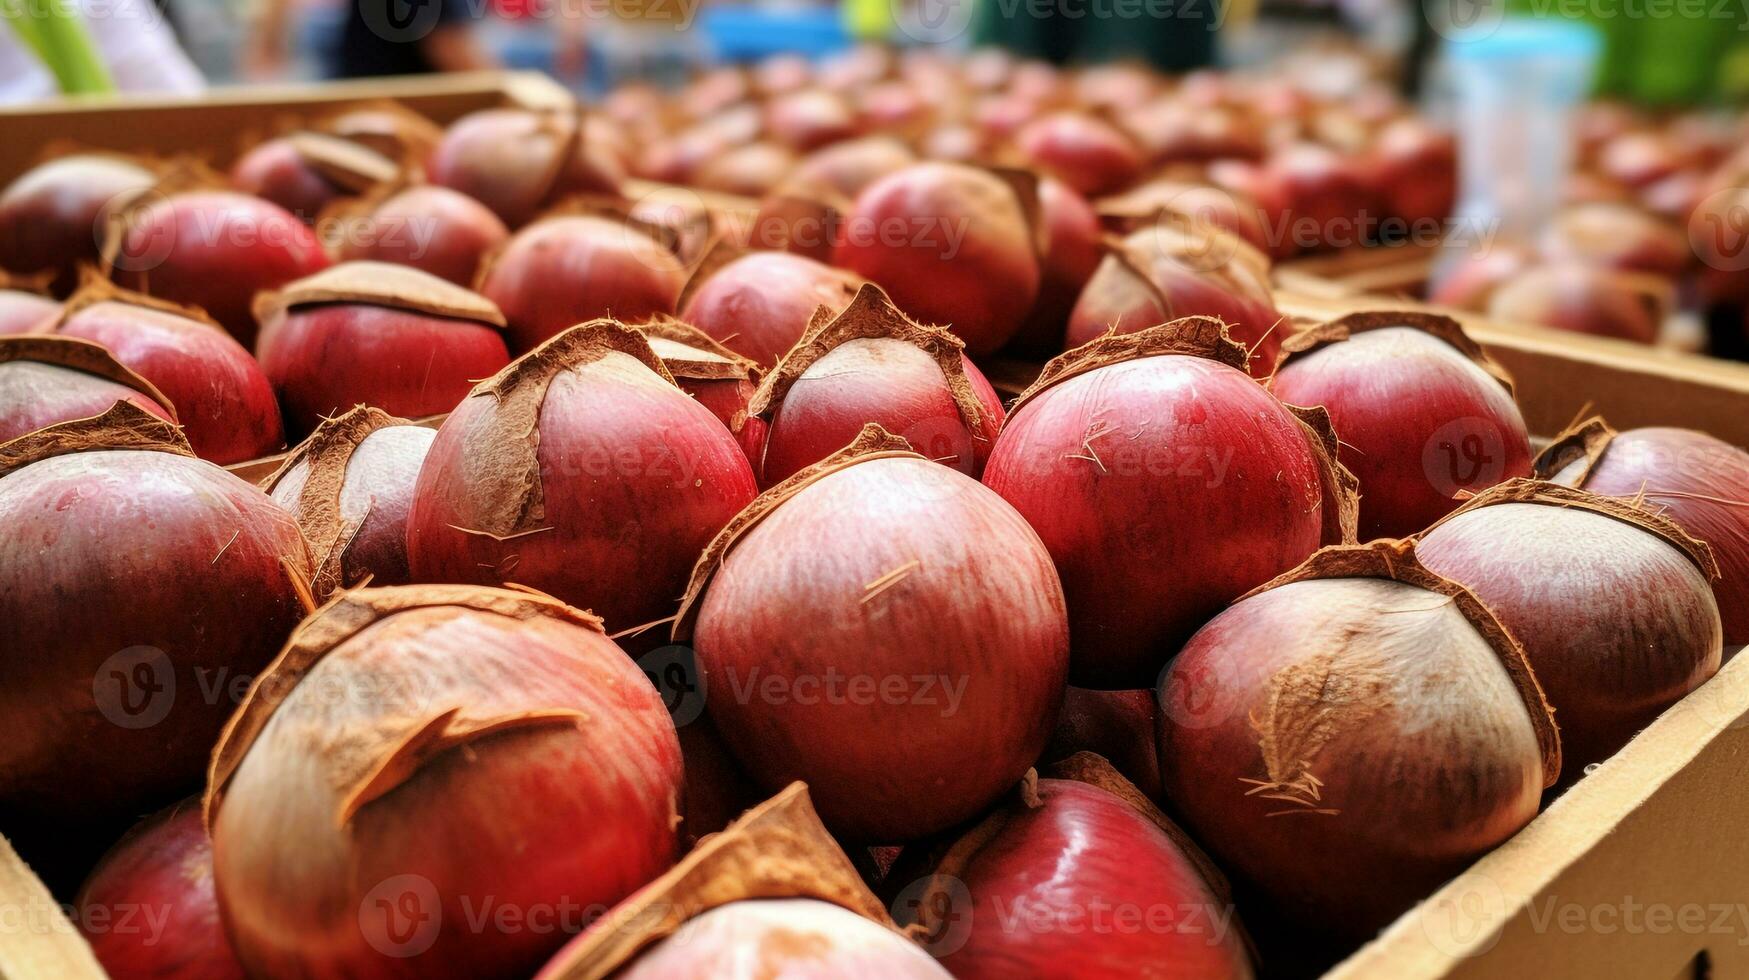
(1528, 491)
(713, 362)
(1202, 336)
(1194, 336)
(352, 167)
(1396, 562)
(873, 442)
(388, 760)
(386, 284)
(616, 210)
(870, 315)
(125, 426)
(412, 134)
(327, 452)
(39, 283)
(1587, 440)
(502, 459)
(94, 289)
(794, 202)
(778, 849)
(720, 252)
(177, 176)
(79, 355)
(1082, 767)
(1342, 328)
(1024, 183)
(1190, 247)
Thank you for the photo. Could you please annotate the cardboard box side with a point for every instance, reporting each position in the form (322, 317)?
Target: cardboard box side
(1639, 867)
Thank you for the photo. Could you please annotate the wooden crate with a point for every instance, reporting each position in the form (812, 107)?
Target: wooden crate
(1641, 870)
(216, 125)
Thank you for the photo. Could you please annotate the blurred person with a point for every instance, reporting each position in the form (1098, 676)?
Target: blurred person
(380, 37)
(131, 39)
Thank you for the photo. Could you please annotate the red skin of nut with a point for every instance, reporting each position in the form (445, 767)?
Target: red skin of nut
(1082, 851)
(34, 395)
(1677, 468)
(50, 216)
(323, 359)
(223, 399)
(758, 305)
(165, 864)
(1617, 624)
(275, 171)
(515, 798)
(979, 602)
(558, 273)
(625, 533)
(1090, 156)
(1419, 422)
(892, 383)
(461, 232)
(151, 548)
(950, 244)
(216, 250)
(1186, 442)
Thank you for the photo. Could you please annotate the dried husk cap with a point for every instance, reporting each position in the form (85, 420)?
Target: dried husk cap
(180, 175)
(721, 251)
(502, 459)
(1206, 337)
(410, 133)
(1583, 442)
(95, 289)
(1628, 511)
(778, 849)
(690, 353)
(79, 355)
(326, 453)
(350, 166)
(391, 757)
(125, 426)
(1242, 269)
(872, 443)
(1395, 561)
(386, 284)
(949, 870)
(870, 315)
(1342, 328)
